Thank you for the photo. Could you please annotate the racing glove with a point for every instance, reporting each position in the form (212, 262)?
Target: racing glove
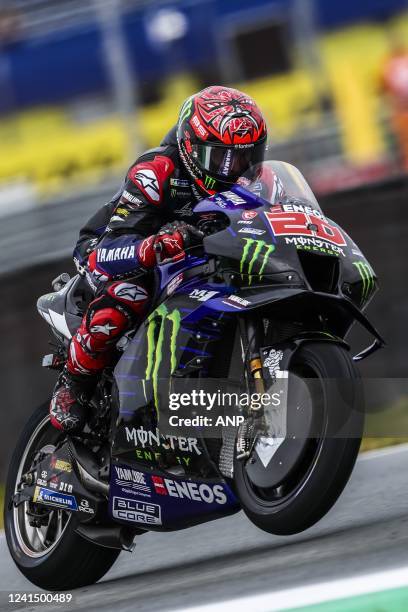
(170, 243)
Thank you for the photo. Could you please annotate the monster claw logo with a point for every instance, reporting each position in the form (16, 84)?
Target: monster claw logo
(186, 110)
(155, 339)
(209, 182)
(367, 277)
(252, 250)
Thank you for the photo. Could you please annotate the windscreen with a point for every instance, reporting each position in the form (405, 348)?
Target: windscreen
(276, 180)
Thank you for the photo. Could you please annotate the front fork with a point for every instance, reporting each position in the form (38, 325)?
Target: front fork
(252, 338)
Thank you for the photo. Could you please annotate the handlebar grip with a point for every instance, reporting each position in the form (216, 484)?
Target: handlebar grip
(158, 250)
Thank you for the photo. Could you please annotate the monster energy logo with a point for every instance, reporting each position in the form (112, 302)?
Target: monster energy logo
(209, 182)
(186, 109)
(252, 250)
(155, 340)
(367, 278)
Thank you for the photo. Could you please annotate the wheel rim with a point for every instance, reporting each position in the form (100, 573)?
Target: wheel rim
(37, 542)
(276, 496)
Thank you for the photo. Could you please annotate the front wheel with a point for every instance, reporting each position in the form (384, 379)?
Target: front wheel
(52, 555)
(285, 503)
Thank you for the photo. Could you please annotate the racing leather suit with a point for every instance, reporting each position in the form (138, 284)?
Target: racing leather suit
(118, 243)
(116, 248)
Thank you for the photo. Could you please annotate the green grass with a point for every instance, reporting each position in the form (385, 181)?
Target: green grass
(374, 443)
(387, 427)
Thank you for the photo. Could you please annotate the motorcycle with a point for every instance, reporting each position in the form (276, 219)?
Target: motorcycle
(267, 302)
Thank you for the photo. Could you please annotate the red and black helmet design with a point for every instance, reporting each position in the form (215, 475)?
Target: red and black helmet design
(221, 134)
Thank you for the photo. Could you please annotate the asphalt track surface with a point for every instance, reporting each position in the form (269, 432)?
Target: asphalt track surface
(365, 532)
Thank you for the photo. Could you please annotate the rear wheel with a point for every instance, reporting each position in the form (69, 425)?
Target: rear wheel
(305, 476)
(52, 556)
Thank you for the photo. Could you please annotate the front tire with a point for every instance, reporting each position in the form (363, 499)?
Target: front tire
(311, 489)
(60, 561)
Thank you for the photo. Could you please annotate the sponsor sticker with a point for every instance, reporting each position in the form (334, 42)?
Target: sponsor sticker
(123, 212)
(116, 254)
(315, 244)
(195, 491)
(142, 437)
(85, 507)
(252, 230)
(185, 211)
(272, 362)
(299, 223)
(236, 301)
(53, 498)
(247, 215)
(219, 201)
(234, 198)
(136, 511)
(174, 283)
(133, 479)
(175, 182)
(198, 127)
(60, 464)
(296, 208)
(131, 198)
(65, 487)
(202, 295)
(53, 483)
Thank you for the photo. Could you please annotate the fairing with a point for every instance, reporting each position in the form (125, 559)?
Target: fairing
(272, 268)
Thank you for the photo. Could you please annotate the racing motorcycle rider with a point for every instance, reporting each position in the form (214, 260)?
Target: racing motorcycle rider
(219, 135)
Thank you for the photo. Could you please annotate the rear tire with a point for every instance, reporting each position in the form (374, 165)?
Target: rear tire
(71, 562)
(330, 460)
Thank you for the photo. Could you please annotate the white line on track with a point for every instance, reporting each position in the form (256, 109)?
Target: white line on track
(312, 594)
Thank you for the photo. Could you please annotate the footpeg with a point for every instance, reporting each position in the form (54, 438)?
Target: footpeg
(53, 362)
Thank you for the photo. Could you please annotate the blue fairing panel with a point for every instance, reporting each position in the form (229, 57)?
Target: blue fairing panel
(242, 300)
(164, 501)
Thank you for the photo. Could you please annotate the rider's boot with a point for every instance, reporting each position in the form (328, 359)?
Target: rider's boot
(69, 403)
(90, 351)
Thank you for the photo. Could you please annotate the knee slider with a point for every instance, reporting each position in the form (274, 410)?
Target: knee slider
(132, 297)
(107, 323)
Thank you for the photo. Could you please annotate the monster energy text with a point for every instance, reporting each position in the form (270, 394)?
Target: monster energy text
(253, 250)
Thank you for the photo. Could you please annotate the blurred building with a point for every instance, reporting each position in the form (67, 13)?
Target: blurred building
(394, 81)
(85, 85)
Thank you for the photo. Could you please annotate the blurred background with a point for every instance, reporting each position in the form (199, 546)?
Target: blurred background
(86, 86)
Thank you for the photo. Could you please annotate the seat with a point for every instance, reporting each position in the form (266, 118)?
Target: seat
(64, 309)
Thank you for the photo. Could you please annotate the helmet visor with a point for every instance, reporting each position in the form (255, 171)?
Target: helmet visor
(228, 163)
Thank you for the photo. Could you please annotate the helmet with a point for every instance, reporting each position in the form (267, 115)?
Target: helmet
(221, 133)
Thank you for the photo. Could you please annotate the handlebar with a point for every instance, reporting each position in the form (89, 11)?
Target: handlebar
(158, 250)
